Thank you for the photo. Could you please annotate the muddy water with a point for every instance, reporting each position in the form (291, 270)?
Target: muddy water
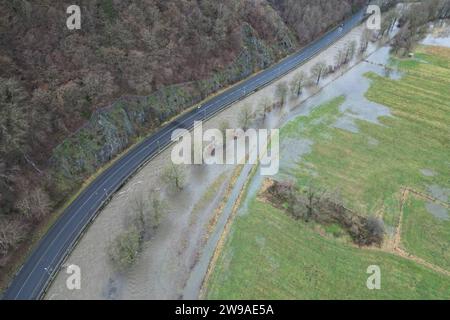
(169, 267)
(195, 280)
(437, 210)
(439, 36)
(353, 85)
(176, 247)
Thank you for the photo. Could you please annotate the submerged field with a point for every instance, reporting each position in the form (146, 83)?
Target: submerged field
(373, 162)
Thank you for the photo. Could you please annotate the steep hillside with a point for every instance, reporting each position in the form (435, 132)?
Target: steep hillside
(72, 100)
(308, 18)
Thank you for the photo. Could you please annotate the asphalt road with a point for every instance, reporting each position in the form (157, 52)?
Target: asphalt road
(35, 275)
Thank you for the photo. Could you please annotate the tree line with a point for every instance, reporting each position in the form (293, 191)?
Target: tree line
(413, 23)
(310, 202)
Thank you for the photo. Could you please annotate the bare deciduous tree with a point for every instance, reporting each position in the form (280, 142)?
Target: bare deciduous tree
(12, 232)
(174, 176)
(317, 70)
(281, 92)
(224, 125)
(364, 41)
(387, 23)
(35, 204)
(297, 83)
(339, 58)
(13, 121)
(147, 213)
(124, 250)
(264, 107)
(350, 50)
(246, 117)
(375, 229)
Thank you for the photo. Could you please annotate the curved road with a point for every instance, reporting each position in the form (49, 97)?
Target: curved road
(35, 275)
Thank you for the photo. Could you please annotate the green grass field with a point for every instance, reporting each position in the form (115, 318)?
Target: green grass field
(424, 235)
(268, 255)
(271, 256)
(370, 175)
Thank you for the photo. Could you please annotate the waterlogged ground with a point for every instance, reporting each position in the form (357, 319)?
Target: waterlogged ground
(380, 138)
(167, 259)
(172, 265)
(439, 36)
(168, 266)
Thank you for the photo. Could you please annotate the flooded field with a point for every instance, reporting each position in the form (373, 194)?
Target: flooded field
(385, 162)
(173, 263)
(167, 267)
(439, 36)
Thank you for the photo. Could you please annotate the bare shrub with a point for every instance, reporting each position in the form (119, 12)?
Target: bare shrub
(12, 232)
(281, 92)
(311, 203)
(374, 230)
(124, 250)
(224, 125)
(147, 214)
(318, 71)
(174, 176)
(246, 117)
(34, 204)
(297, 84)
